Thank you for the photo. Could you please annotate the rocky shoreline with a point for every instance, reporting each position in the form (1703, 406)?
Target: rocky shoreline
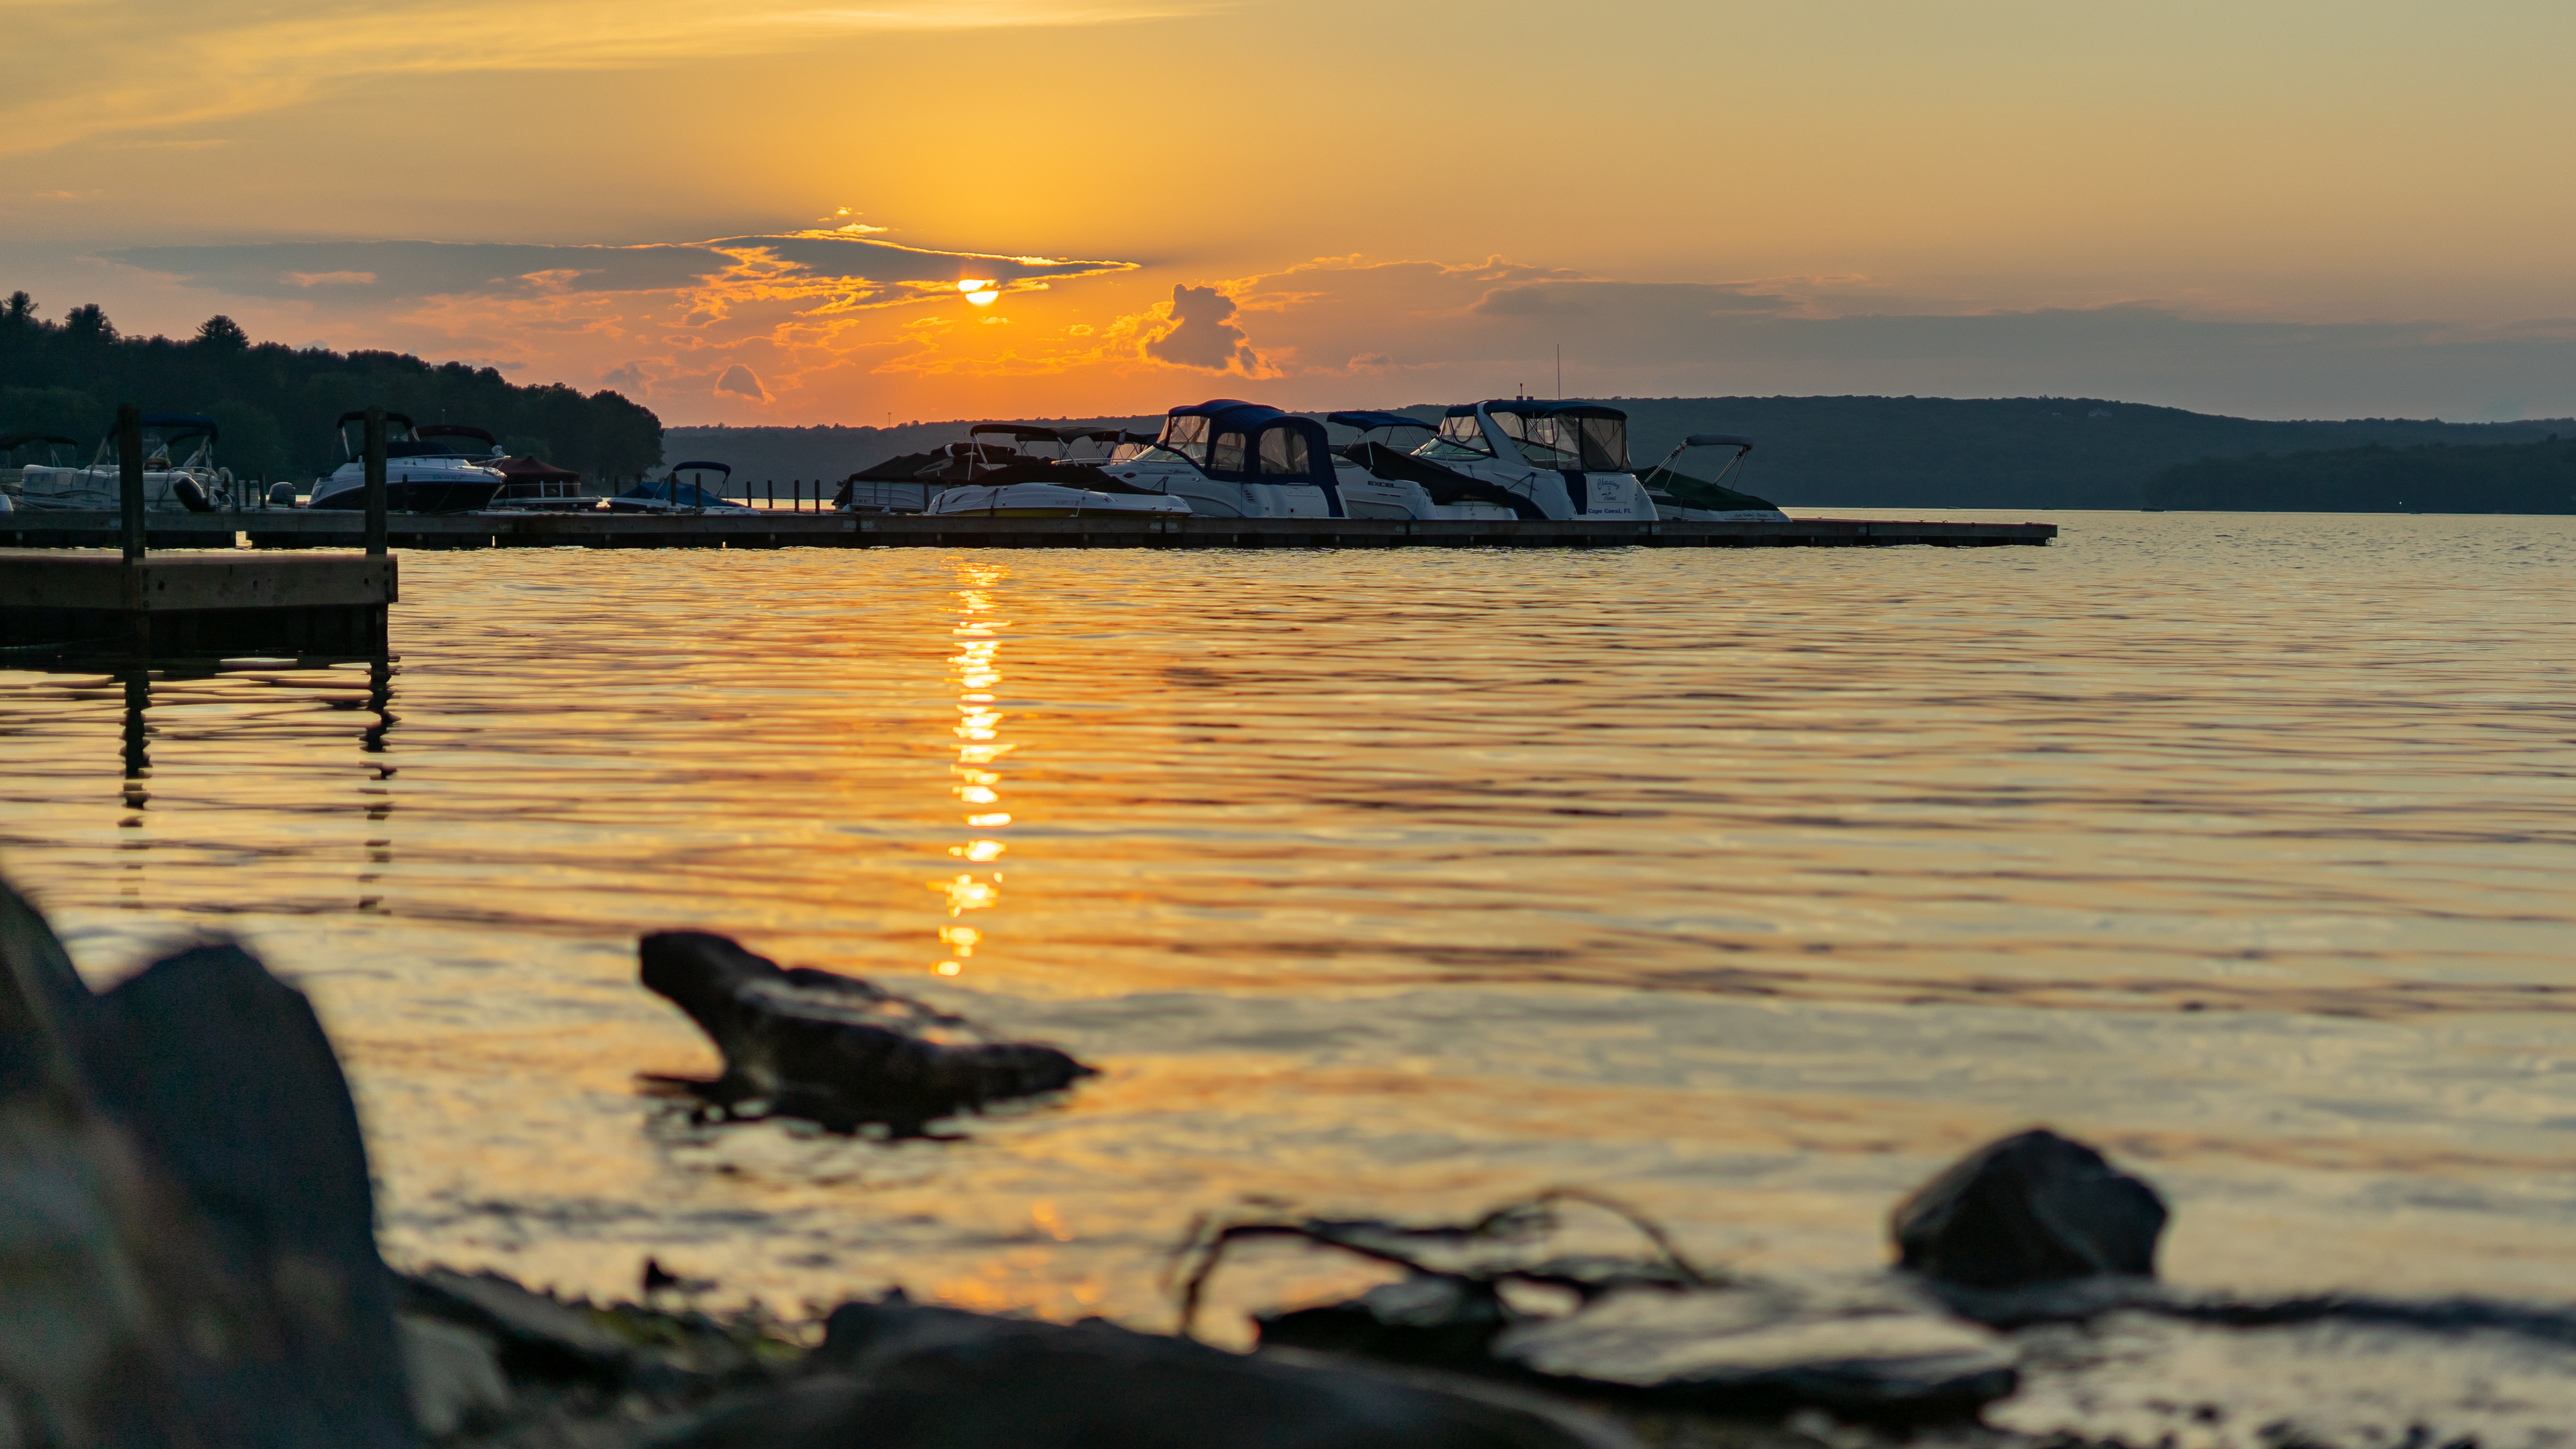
(187, 1256)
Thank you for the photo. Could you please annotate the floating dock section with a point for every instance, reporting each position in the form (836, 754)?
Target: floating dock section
(221, 602)
(298, 529)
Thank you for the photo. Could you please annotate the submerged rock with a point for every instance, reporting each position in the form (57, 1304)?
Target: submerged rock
(837, 1049)
(186, 1224)
(2027, 1209)
(936, 1378)
(1749, 1349)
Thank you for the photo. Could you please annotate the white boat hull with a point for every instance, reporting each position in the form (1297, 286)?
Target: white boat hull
(1050, 500)
(42, 487)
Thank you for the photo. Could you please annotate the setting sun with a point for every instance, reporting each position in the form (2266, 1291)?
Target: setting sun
(980, 291)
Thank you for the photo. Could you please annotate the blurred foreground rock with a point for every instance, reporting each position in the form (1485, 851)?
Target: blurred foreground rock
(2029, 1209)
(936, 1378)
(187, 1236)
(835, 1049)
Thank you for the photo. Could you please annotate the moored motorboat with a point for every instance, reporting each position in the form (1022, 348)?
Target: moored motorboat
(192, 484)
(1383, 479)
(1678, 495)
(695, 487)
(1564, 460)
(1233, 459)
(437, 473)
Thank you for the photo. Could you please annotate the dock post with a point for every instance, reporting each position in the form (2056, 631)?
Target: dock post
(129, 478)
(375, 482)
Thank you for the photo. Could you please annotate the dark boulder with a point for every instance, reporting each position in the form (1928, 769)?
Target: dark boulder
(837, 1049)
(187, 1232)
(933, 1378)
(2029, 1209)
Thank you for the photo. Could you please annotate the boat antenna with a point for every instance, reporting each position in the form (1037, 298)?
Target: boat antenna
(1560, 372)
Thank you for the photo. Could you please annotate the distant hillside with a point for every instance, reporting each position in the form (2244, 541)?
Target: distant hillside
(276, 403)
(1859, 451)
(2513, 478)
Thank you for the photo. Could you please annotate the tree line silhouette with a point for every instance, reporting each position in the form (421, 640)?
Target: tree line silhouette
(276, 403)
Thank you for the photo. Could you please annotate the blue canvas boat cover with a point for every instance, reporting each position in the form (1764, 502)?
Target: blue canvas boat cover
(1252, 443)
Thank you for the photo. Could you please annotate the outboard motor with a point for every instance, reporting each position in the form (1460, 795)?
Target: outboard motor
(281, 495)
(192, 495)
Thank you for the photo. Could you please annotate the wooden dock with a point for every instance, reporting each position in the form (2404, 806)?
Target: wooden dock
(296, 529)
(219, 602)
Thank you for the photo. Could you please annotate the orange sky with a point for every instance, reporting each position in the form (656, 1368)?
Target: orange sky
(2281, 209)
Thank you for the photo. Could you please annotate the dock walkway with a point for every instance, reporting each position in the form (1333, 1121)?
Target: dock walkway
(782, 529)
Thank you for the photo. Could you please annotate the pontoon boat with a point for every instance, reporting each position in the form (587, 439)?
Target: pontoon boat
(193, 484)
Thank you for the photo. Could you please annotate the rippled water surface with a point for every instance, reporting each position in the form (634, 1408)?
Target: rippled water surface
(1749, 885)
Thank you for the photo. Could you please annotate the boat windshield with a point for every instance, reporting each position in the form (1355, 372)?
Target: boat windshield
(1459, 437)
(1147, 453)
(1188, 436)
(1567, 443)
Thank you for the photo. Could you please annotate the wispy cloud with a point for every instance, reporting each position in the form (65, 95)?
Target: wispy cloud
(243, 60)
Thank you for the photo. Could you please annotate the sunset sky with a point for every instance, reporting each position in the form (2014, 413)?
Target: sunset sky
(752, 211)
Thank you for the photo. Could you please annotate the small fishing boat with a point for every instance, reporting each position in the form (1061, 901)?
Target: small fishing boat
(427, 470)
(696, 487)
(1231, 459)
(1680, 496)
(192, 484)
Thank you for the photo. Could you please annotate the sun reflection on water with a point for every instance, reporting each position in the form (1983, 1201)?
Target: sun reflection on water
(974, 669)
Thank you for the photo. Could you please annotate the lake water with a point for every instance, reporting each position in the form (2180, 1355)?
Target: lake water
(1751, 886)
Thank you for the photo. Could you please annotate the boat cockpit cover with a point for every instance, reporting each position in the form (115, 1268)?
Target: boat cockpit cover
(672, 490)
(1569, 437)
(1017, 432)
(1717, 440)
(724, 468)
(1250, 443)
(12, 442)
(392, 420)
(1370, 421)
(454, 430)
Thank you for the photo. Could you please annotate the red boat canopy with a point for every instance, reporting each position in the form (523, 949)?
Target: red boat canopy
(530, 470)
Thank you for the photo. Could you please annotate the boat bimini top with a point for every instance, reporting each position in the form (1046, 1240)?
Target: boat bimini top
(1249, 443)
(491, 445)
(1743, 449)
(1568, 437)
(12, 442)
(163, 433)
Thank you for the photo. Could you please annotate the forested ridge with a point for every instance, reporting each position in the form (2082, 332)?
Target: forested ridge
(276, 403)
(2434, 478)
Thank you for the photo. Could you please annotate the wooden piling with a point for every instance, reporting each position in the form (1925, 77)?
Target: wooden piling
(129, 479)
(375, 482)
